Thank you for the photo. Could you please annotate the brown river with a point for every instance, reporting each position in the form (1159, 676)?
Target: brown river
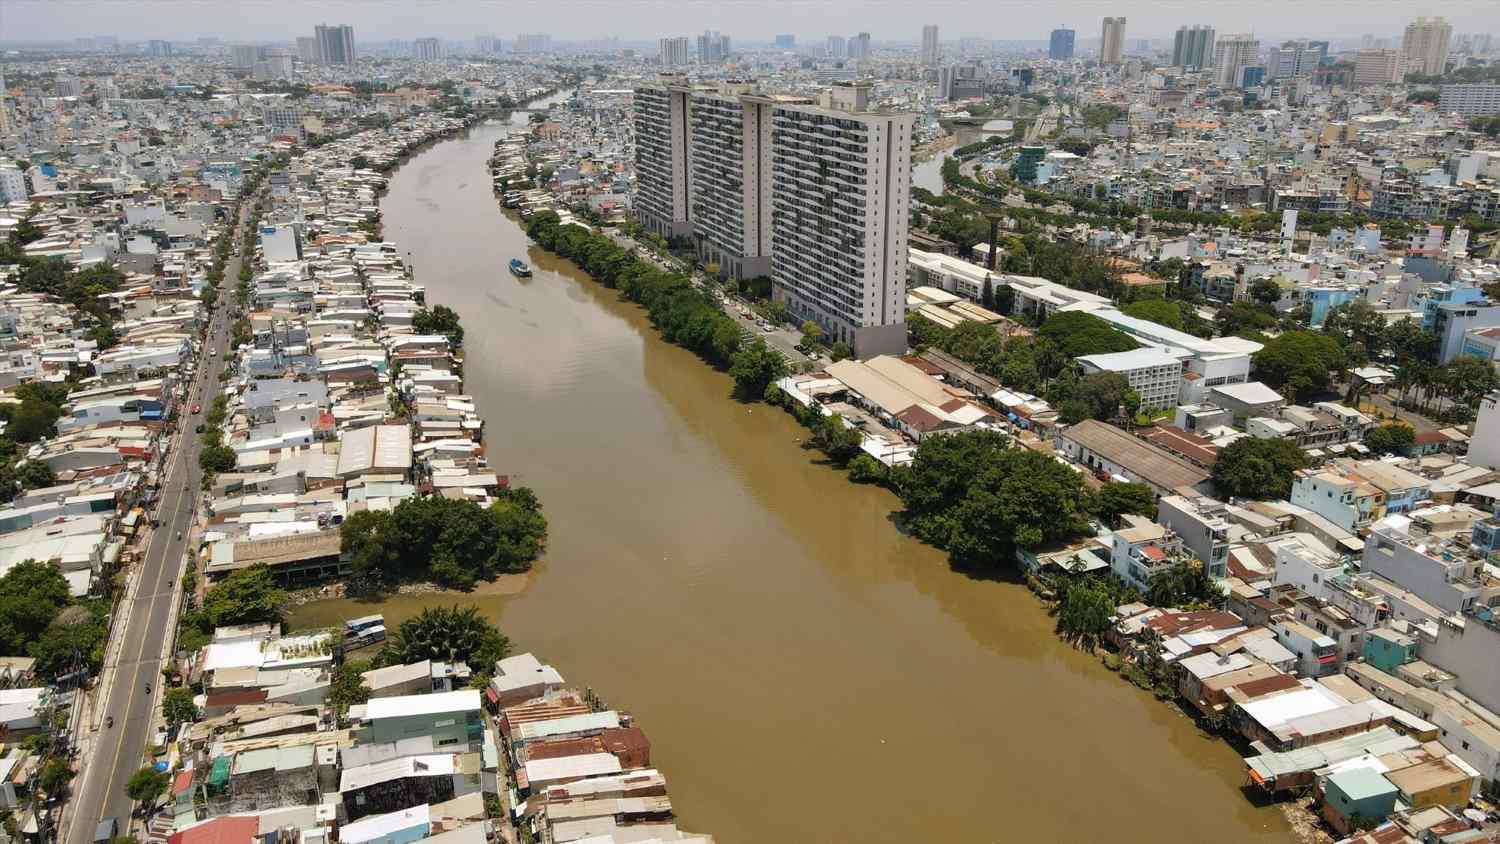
(805, 672)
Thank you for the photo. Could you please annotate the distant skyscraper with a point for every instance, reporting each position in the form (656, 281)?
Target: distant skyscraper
(1060, 49)
(674, 51)
(486, 44)
(930, 44)
(1292, 60)
(307, 50)
(427, 49)
(836, 47)
(1425, 46)
(1193, 48)
(159, 48)
(1233, 54)
(786, 42)
(859, 46)
(1112, 41)
(335, 44)
(245, 56)
(713, 47)
(530, 44)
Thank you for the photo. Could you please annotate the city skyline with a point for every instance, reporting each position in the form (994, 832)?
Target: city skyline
(639, 20)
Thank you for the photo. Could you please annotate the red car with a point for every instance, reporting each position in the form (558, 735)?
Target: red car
(197, 408)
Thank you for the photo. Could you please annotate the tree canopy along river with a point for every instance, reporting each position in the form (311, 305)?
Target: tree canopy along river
(804, 671)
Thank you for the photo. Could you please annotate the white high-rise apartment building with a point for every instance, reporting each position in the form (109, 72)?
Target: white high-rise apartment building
(674, 51)
(1472, 100)
(1112, 42)
(729, 175)
(427, 49)
(812, 193)
(841, 184)
(1233, 54)
(661, 159)
(335, 44)
(1425, 46)
(836, 47)
(1193, 48)
(930, 44)
(1378, 67)
(1292, 60)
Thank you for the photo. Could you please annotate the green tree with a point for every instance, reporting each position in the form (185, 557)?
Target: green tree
(217, 458)
(1115, 498)
(1265, 291)
(1076, 333)
(979, 499)
(521, 526)
(347, 685)
(1097, 395)
(55, 776)
(366, 541)
(1243, 319)
(146, 785)
(449, 634)
(1085, 612)
(74, 640)
(837, 439)
(812, 333)
(1161, 311)
(1300, 363)
(1390, 438)
(864, 469)
(177, 706)
(440, 319)
(1187, 586)
(1258, 468)
(34, 474)
(755, 366)
(32, 420)
(246, 596)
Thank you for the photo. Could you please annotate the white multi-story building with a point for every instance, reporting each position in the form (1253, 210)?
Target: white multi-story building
(1203, 525)
(661, 157)
(1112, 41)
(1232, 54)
(1375, 66)
(1425, 46)
(1470, 100)
(813, 193)
(1484, 446)
(674, 51)
(1154, 374)
(12, 184)
(841, 181)
(729, 174)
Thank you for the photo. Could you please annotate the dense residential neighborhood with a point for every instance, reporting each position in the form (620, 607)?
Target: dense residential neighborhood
(1184, 347)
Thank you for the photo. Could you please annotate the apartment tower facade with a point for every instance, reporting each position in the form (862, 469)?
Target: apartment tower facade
(1112, 41)
(813, 193)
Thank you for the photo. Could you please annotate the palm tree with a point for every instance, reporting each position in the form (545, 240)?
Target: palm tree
(447, 634)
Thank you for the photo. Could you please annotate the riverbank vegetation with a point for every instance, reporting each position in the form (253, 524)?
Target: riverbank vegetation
(452, 542)
(685, 314)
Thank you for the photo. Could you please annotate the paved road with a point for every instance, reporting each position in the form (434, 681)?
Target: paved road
(118, 751)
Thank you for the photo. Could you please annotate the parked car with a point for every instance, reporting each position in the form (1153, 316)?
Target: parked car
(199, 429)
(197, 408)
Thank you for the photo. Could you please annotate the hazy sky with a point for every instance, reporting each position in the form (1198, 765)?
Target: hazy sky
(809, 20)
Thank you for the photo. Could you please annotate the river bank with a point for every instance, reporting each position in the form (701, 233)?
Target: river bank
(752, 609)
